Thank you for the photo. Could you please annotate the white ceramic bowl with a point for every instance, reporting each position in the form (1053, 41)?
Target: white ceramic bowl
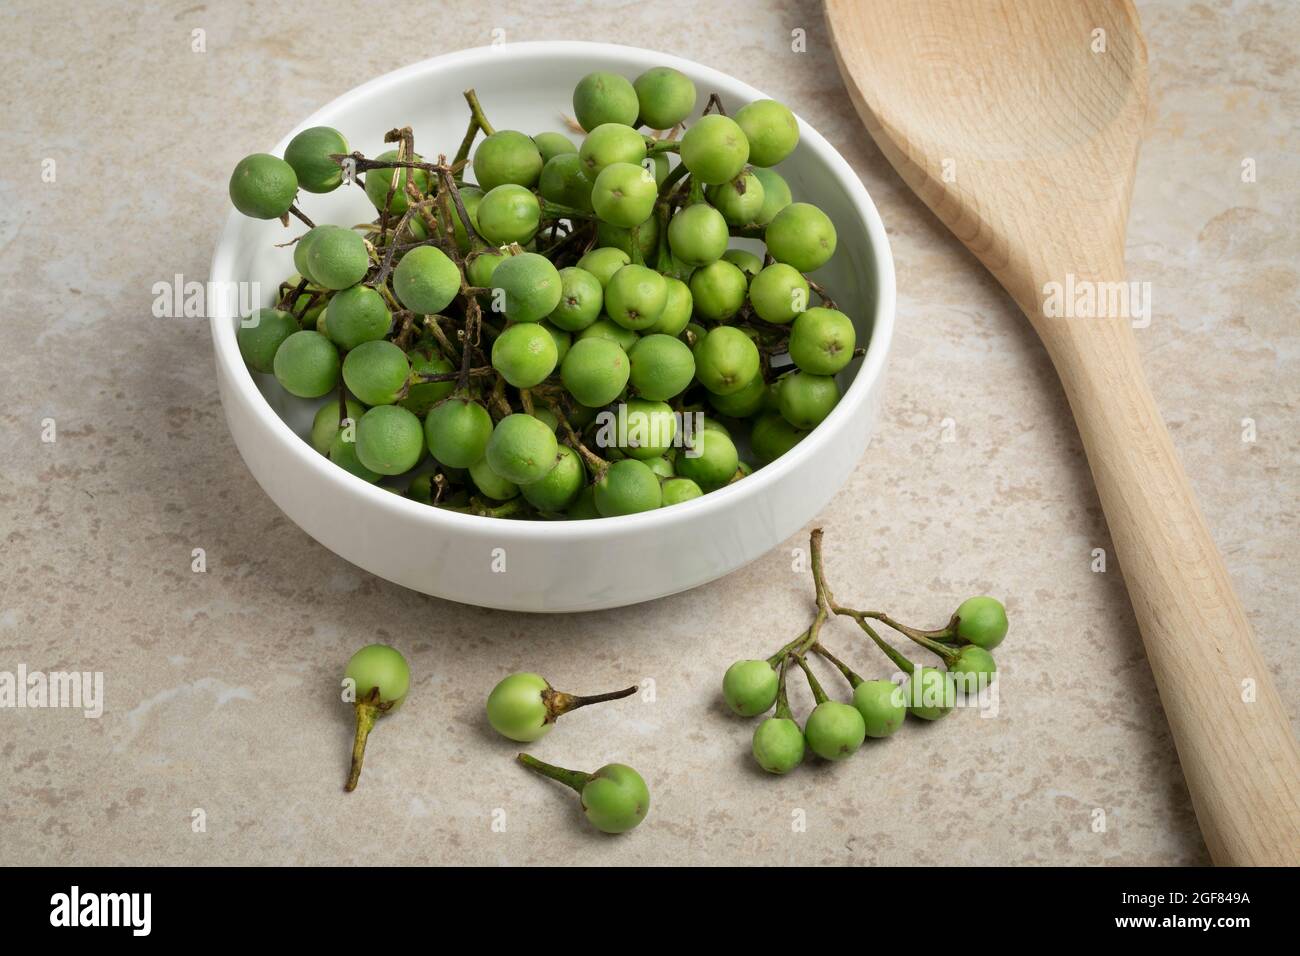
(541, 565)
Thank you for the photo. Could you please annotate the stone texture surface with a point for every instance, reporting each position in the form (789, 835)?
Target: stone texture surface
(221, 687)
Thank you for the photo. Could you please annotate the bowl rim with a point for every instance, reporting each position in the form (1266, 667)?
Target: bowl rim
(732, 496)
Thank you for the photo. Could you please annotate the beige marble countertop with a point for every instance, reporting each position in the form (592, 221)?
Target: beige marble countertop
(221, 687)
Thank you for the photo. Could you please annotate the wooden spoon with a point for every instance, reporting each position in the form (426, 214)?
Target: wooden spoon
(1018, 125)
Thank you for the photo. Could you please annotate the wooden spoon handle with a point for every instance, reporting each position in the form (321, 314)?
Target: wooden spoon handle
(1232, 733)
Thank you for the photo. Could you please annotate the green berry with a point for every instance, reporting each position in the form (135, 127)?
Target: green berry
(635, 297)
(740, 200)
(743, 403)
(714, 149)
(546, 415)
(426, 280)
(698, 235)
(551, 145)
(744, 260)
(580, 416)
(525, 354)
(606, 328)
(521, 449)
(771, 129)
(709, 458)
(517, 709)
(718, 290)
(822, 341)
(457, 432)
(581, 300)
(726, 360)
(645, 429)
(375, 372)
(584, 506)
(604, 97)
(263, 186)
(778, 745)
(325, 425)
(663, 468)
(300, 249)
(801, 235)
(307, 364)
(608, 144)
(779, 294)
(509, 213)
(490, 483)
(677, 309)
(421, 489)
(389, 439)
(562, 338)
(982, 621)
(628, 486)
(379, 678)
(530, 285)
(595, 371)
(624, 194)
(973, 670)
(615, 798)
(320, 324)
(378, 667)
(480, 269)
(661, 367)
(309, 155)
(772, 436)
(929, 693)
(834, 730)
(646, 238)
(805, 399)
(343, 452)
(336, 258)
(776, 194)
(665, 96)
(507, 156)
(750, 687)
(564, 182)
(881, 704)
(677, 490)
(379, 181)
(357, 315)
(260, 336)
(603, 263)
(559, 487)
